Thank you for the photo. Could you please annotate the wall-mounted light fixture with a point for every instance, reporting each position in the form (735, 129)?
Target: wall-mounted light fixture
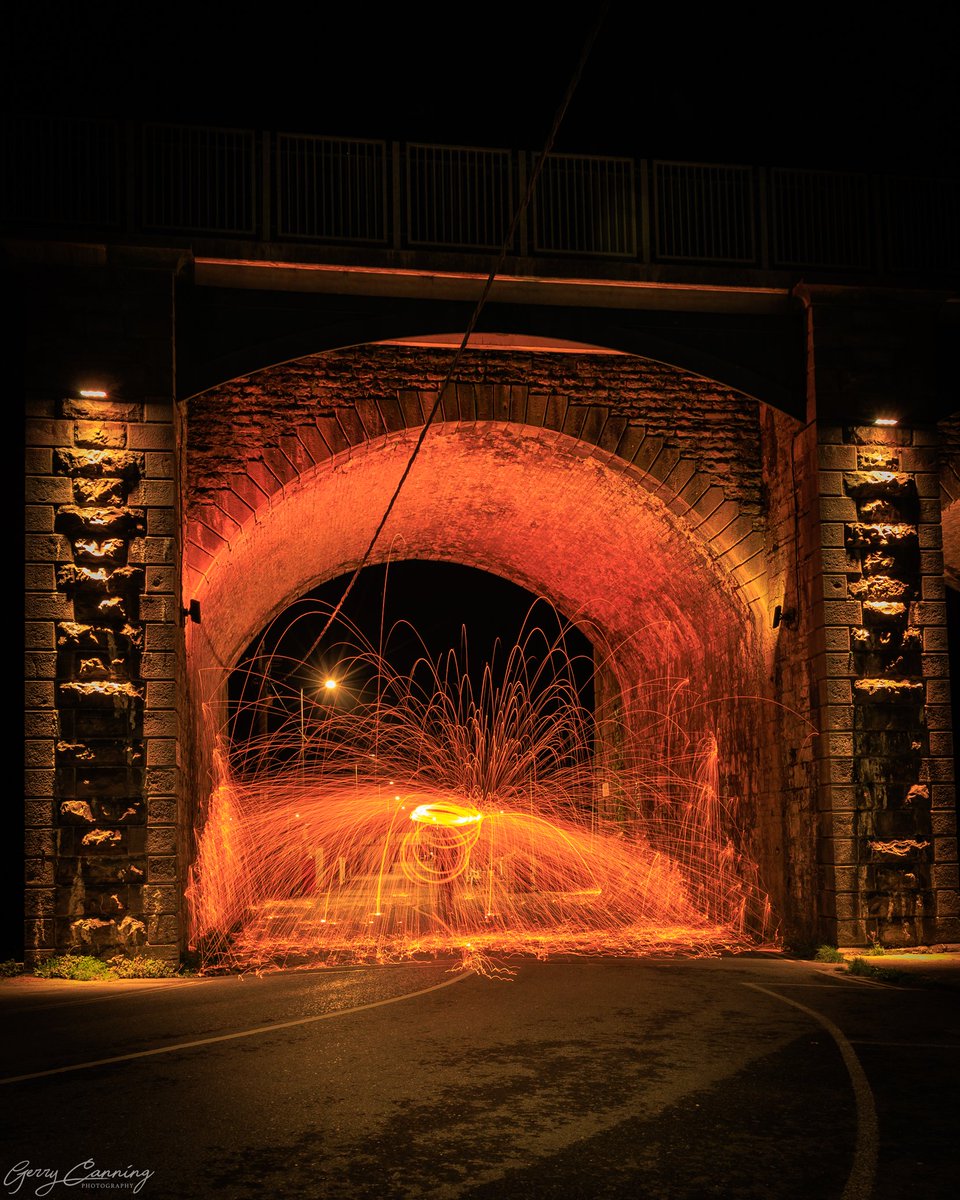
(193, 612)
(93, 394)
(886, 421)
(783, 616)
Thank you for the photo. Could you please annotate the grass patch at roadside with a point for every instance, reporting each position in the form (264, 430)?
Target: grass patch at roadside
(860, 966)
(86, 968)
(73, 966)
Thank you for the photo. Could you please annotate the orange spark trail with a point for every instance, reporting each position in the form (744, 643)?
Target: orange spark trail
(427, 820)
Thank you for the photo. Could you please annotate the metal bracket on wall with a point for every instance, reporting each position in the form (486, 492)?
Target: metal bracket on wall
(783, 616)
(193, 612)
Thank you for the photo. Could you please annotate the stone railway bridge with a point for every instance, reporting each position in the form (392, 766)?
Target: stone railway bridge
(689, 447)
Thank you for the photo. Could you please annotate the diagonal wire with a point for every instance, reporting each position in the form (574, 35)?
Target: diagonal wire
(475, 316)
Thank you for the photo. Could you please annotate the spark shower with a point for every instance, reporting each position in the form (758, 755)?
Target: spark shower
(478, 811)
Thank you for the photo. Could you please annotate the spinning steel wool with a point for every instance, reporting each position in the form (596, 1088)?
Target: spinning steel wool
(423, 814)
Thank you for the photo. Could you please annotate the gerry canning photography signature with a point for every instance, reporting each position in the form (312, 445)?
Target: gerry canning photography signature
(40, 1181)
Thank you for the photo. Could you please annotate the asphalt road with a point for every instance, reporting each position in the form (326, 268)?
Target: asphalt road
(677, 1079)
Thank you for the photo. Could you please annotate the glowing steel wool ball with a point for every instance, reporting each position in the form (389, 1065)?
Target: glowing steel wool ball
(438, 849)
(445, 812)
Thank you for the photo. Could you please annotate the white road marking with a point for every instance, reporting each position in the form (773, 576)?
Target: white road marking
(859, 1184)
(908, 1045)
(101, 997)
(242, 1033)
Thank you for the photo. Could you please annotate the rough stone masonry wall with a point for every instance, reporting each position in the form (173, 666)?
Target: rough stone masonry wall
(101, 635)
(887, 809)
(789, 786)
(709, 423)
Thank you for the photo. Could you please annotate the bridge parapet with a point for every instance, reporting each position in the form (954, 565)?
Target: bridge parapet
(324, 198)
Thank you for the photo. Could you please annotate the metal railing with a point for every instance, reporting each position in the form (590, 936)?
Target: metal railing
(704, 213)
(458, 196)
(201, 180)
(586, 205)
(922, 225)
(331, 189)
(121, 178)
(61, 171)
(821, 218)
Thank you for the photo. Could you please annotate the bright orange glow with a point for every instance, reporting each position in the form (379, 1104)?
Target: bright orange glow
(445, 813)
(438, 850)
(330, 684)
(434, 820)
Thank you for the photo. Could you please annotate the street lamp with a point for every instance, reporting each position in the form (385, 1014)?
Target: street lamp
(329, 685)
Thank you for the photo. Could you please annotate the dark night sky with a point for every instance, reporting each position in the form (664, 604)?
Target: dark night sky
(838, 85)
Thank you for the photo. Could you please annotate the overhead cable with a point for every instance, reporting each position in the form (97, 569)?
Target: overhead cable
(508, 242)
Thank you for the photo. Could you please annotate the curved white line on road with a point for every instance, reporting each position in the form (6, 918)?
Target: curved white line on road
(860, 1181)
(241, 1033)
(102, 997)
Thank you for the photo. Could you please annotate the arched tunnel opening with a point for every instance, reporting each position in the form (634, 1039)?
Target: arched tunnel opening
(412, 619)
(592, 789)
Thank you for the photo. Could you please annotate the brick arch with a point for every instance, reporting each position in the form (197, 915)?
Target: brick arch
(533, 508)
(579, 503)
(223, 508)
(759, 359)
